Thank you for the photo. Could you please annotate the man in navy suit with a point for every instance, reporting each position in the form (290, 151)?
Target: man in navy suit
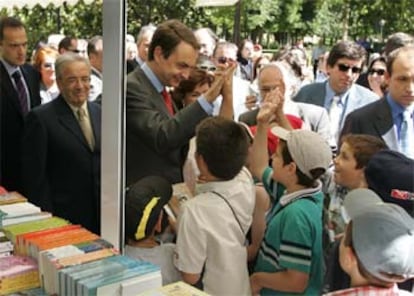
(14, 104)
(344, 65)
(61, 148)
(384, 118)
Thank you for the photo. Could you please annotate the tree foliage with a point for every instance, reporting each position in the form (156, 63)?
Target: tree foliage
(266, 21)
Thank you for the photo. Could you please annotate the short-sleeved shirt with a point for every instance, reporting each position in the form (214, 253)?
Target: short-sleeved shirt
(209, 235)
(293, 237)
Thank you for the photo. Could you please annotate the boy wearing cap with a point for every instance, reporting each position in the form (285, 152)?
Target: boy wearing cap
(212, 226)
(377, 248)
(290, 256)
(144, 204)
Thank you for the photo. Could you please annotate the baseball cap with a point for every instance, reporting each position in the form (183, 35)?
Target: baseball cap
(382, 234)
(144, 202)
(308, 149)
(391, 175)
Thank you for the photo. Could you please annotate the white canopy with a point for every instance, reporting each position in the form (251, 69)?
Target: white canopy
(30, 3)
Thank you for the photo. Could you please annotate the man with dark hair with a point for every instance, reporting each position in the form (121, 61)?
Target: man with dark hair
(157, 135)
(19, 93)
(212, 226)
(95, 54)
(392, 117)
(68, 43)
(339, 94)
(61, 148)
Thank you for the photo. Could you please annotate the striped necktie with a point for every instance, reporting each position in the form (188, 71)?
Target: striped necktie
(21, 92)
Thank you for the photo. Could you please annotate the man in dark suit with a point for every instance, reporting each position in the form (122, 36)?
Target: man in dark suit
(339, 95)
(61, 148)
(384, 118)
(157, 136)
(19, 93)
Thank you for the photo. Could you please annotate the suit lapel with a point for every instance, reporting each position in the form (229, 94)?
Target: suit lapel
(31, 81)
(95, 117)
(9, 89)
(69, 121)
(385, 126)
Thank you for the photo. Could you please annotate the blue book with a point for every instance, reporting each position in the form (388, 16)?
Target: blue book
(88, 287)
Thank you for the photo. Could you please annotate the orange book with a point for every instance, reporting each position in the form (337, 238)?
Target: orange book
(22, 246)
(57, 239)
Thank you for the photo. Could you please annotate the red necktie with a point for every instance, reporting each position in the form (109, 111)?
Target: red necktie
(168, 101)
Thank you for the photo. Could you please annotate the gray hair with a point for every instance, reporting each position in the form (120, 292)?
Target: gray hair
(68, 58)
(145, 30)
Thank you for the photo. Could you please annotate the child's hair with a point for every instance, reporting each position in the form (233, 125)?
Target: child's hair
(302, 178)
(363, 147)
(224, 146)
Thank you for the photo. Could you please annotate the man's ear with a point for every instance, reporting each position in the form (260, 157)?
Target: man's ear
(387, 77)
(158, 54)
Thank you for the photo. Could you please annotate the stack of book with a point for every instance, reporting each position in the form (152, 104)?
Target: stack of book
(14, 208)
(18, 273)
(62, 258)
(6, 246)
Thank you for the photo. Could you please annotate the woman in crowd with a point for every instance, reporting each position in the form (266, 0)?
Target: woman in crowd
(376, 76)
(44, 61)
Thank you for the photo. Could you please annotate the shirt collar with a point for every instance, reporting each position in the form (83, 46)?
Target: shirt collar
(9, 68)
(330, 93)
(152, 77)
(396, 109)
(75, 108)
(291, 197)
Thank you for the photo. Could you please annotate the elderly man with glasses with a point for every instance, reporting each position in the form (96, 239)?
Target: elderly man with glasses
(339, 94)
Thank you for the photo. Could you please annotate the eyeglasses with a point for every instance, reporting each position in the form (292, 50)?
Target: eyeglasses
(345, 68)
(379, 72)
(207, 68)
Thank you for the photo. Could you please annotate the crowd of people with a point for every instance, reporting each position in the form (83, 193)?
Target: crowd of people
(302, 168)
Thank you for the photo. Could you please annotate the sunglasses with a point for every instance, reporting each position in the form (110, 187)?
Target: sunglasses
(379, 72)
(207, 68)
(345, 68)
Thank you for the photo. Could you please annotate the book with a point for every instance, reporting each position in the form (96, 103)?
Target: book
(14, 230)
(18, 209)
(46, 261)
(11, 197)
(89, 287)
(105, 268)
(26, 218)
(23, 241)
(18, 273)
(174, 289)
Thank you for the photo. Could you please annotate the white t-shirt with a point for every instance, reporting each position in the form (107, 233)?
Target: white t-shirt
(162, 256)
(209, 234)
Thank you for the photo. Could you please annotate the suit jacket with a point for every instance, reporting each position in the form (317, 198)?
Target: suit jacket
(314, 93)
(156, 142)
(60, 172)
(374, 119)
(11, 124)
(315, 117)
(131, 65)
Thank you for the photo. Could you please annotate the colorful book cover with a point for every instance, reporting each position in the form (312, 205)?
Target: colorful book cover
(11, 197)
(11, 231)
(22, 219)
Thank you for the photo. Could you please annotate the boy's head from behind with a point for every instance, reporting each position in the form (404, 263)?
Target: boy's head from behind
(222, 145)
(144, 202)
(378, 243)
(308, 150)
